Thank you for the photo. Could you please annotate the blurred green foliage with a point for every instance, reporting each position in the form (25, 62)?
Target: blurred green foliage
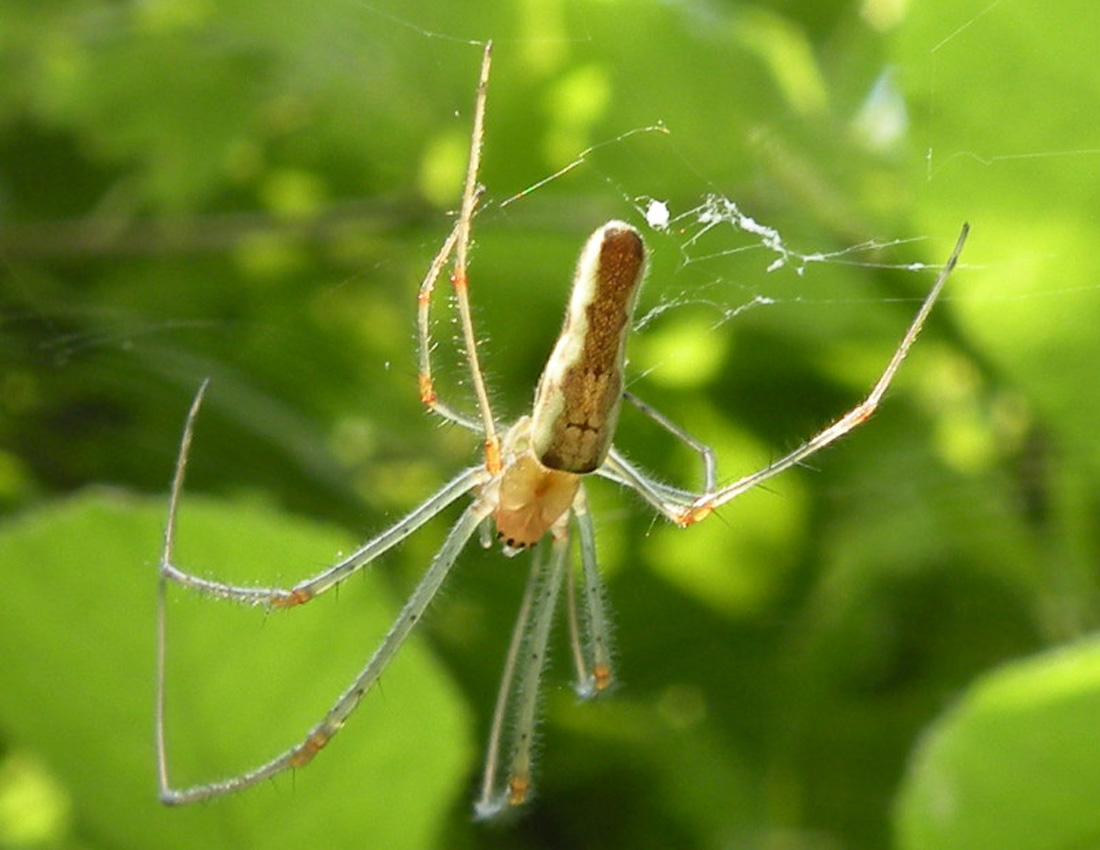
(251, 192)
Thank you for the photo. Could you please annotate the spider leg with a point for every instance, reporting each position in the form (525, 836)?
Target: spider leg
(665, 498)
(685, 508)
(490, 802)
(333, 721)
(311, 587)
(534, 622)
(576, 644)
(534, 663)
(459, 278)
(458, 243)
(706, 453)
(592, 656)
(428, 394)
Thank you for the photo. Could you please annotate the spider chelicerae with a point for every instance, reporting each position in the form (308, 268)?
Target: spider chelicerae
(529, 486)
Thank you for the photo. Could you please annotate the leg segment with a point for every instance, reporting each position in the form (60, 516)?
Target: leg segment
(592, 655)
(458, 243)
(424, 335)
(490, 802)
(308, 589)
(706, 453)
(685, 508)
(322, 733)
(528, 653)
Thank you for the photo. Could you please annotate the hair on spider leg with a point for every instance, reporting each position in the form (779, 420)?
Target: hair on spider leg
(529, 486)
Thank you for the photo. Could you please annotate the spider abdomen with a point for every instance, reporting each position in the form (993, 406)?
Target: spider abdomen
(577, 403)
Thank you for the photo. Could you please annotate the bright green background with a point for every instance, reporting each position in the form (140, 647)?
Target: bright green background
(884, 649)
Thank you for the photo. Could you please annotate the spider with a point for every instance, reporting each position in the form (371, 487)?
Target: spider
(529, 486)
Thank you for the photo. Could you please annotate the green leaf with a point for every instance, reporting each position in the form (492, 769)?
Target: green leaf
(1015, 765)
(77, 649)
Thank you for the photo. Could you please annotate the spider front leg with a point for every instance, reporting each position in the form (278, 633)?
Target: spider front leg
(527, 655)
(319, 736)
(300, 593)
(428, 395)
(592, 649)
(705, 452)
(685, 508)
(314, 586)
(458, 243)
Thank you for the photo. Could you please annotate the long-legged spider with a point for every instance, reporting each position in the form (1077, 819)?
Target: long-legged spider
(529, 486)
